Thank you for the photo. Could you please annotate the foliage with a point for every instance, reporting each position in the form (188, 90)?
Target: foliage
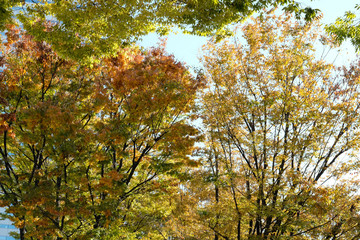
(346, 27)
(87, 30)
(102, 151)
(282, 133)
(80, 146)
(6, 12)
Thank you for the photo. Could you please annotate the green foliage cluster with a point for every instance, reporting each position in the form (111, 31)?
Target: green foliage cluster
(86, 30)
(6, 12)
(347, 27)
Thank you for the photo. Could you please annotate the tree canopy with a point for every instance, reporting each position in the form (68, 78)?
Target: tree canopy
(86, 30)
(81, 145)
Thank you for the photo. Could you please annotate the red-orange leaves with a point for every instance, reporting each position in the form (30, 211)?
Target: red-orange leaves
(153, 79)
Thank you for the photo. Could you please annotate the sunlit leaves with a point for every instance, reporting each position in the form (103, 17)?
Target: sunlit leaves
(87, 30)
(278, 122)
(346, 27)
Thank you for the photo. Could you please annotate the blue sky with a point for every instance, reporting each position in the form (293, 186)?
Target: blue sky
(186, 48)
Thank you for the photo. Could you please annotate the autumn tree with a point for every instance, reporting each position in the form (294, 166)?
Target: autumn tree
(80, 146)
(87, 30)
(282, 130)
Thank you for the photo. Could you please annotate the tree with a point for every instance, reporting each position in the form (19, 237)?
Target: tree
(282, 134)
(87, 30)
(80, 145)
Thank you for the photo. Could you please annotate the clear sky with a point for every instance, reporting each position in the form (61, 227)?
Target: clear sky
(186, 48)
